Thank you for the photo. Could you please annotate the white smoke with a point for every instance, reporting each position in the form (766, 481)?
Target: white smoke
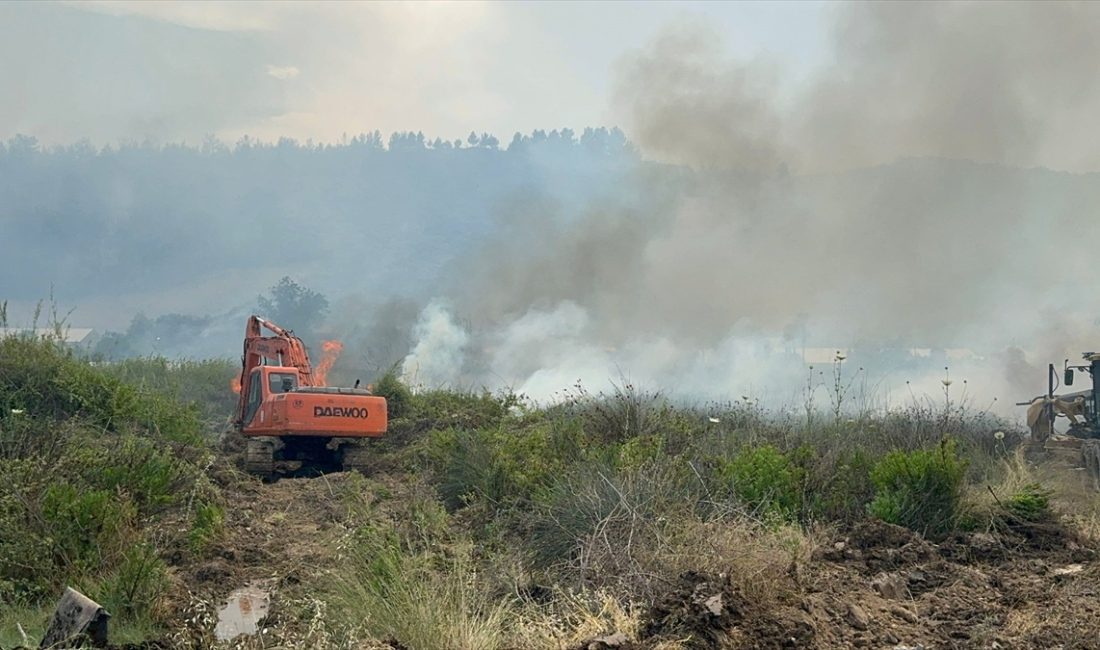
(891, 202)
(545, 352)
(438, 357)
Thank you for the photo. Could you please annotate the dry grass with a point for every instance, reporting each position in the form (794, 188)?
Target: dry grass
(1013, 474)
(762, 560)
(573, 617)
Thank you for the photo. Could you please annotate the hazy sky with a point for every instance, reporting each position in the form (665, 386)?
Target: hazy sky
(111, 71)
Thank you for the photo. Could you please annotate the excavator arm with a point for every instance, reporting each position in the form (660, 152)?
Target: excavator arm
(282, 348)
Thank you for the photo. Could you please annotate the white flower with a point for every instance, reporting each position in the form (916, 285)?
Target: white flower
(999, 435)
(17, 411)
(714, 420)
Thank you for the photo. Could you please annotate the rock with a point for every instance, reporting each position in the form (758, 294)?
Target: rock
(1068, 569)
(984, 542)
(890, 586)
(714, 604)
(76, 619)
(904, 613)
(616, 640)
(858, 618)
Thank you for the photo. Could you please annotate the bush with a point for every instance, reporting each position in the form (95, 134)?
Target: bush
(42, 379)
(206, 527)
(89, 465)
(136, 586)
(205, 385)
(397, 394)
(765, 480)
(502, 467)
(624, 414)
(921, 490)
(618, 508)
(1031, 503)
(839, 487)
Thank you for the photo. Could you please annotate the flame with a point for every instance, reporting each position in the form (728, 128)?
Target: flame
(235, 384)
(330, 351)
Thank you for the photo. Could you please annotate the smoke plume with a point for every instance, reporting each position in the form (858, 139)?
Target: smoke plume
(926, 188)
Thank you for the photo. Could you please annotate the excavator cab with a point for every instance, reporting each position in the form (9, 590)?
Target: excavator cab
(282, 382)
(277, 381)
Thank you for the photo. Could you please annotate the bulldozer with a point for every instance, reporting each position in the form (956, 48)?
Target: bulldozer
(1081, 408)
(289, 418)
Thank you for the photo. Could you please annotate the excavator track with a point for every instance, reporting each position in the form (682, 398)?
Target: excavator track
(259, 458)
(356, 457)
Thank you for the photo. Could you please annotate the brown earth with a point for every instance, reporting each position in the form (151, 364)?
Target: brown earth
(881, 586)
(1025, 585)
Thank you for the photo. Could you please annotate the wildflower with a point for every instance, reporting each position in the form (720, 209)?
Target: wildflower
(714, 420)
(999, 435)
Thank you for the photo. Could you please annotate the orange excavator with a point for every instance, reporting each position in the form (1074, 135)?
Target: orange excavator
(290, 418)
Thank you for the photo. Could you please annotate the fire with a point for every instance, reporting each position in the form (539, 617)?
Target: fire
(330, 351)
(235, 384)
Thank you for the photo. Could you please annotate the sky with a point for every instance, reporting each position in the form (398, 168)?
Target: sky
(873, 171)
(168, 72)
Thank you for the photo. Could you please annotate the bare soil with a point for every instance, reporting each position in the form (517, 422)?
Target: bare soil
(872, 586)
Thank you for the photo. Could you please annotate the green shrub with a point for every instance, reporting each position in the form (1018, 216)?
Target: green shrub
(42, 379)
(502, 467)
(625, 413)
(85, 526)
(640, 450)
(397, 394)
(1031, 503)
(206, 526)
(839, 488)
(204, 384)
(465, 410)
(88, 466)
(765, 480)
(133, 590)
(152, 475)
(921, 490)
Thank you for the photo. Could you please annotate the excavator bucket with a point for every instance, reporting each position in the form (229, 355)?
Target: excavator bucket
(76, 621)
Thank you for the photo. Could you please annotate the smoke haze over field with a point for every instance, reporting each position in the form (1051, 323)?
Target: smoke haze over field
(881, 204)
(927, 177)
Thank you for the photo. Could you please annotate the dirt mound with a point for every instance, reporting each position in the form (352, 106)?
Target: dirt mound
(702, 608)
(878, 546)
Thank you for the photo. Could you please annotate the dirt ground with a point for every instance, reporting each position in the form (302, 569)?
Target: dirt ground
(283, 531)
(873, 586)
